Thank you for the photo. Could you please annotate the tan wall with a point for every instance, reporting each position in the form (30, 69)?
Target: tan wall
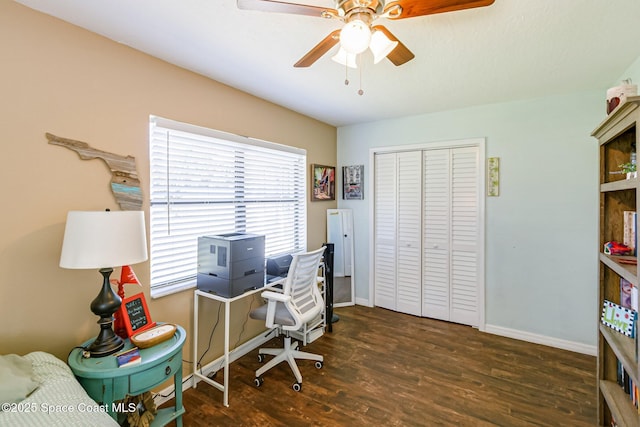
(58, 78)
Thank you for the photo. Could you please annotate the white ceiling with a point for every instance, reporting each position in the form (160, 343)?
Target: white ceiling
(514, 49)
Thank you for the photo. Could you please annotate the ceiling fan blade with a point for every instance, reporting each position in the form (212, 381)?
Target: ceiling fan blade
(411, 8)
(401, 53)
(283, 7)
(318, 50)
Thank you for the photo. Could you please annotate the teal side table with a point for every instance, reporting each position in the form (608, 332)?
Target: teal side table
(106, 383)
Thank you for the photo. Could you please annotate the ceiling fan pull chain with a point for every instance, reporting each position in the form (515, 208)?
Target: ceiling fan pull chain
(360, 91)
(346, 75)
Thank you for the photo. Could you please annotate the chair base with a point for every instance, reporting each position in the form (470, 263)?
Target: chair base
(289, 353)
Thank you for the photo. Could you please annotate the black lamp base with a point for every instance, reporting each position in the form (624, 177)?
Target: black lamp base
(104, 305)
(105, 348)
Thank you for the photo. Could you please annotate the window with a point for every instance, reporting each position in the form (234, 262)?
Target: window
(206, 182)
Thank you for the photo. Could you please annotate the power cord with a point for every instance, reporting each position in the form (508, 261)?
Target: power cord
(245, 321)
(85, 352)
(199, 365)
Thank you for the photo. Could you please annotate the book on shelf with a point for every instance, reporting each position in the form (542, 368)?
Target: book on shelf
(625, 293)
(128, 357)
(628, 386)
(630, 237)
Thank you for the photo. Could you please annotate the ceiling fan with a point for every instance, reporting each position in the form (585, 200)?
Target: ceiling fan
(359, 31)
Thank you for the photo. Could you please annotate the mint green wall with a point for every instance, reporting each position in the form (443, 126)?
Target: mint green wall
(633, 72)
(541, 232)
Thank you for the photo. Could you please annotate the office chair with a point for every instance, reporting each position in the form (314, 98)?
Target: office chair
(298, 303)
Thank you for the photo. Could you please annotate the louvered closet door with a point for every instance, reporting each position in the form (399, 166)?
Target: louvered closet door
(409, 212)
(451, 235)
(465, 235)
(436, 234)
(385, 230)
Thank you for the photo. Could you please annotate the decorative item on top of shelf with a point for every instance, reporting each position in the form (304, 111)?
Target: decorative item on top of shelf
(617, 248)
(493, 182)
(618, 94)
(323, 183)
(352, 182)
(618, 318)
(630, 169)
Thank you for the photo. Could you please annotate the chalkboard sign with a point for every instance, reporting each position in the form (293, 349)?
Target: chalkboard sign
(135, 313)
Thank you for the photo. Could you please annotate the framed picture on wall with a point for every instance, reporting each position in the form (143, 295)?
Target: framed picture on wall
(323, 183)
(352, 182)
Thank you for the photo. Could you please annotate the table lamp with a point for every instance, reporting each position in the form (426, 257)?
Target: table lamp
(103, 240)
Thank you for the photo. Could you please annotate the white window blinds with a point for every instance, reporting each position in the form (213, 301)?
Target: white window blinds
(205, 182)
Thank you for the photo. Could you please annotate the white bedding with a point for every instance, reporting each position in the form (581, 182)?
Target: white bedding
(59, 400)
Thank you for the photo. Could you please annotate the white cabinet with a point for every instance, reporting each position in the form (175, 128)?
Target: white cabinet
(427, 233)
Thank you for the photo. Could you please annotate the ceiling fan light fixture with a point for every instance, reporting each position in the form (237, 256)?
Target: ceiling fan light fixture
(381, 46)
(345, 58)
(355, 36)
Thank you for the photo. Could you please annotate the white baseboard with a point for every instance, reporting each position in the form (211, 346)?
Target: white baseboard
(166, 394)
(577, 347)
(363, 301)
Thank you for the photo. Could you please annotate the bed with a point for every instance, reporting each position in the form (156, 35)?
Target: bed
(39, 389)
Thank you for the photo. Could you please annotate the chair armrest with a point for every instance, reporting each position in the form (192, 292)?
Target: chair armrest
(276, 296)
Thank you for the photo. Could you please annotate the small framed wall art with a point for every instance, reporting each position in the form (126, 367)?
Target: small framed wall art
(323, 183)
(493, 181)
(352, 182)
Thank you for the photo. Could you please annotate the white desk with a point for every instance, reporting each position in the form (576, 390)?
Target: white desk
(224, 387)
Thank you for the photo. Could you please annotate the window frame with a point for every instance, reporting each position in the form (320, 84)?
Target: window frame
(249, 147)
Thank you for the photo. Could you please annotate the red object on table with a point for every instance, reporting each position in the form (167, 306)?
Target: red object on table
(127, 276)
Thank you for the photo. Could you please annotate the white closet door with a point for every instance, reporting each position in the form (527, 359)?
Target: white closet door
(436, 234)
(465, 235)
(409, 211)
(385, 230)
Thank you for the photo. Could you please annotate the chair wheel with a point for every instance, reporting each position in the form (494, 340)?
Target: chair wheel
(258, 381)
(261, 358)
(297, 386)
(319, 364)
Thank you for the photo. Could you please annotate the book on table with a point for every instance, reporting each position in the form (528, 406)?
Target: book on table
(128, 357)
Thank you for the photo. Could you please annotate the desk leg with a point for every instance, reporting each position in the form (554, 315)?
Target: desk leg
(227, 306)
(194, 379)
(177, 386)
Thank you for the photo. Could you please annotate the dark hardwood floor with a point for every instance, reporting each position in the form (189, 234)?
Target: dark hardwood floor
(384, 368)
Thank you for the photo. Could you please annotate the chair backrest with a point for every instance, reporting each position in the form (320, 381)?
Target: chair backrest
(302, 285)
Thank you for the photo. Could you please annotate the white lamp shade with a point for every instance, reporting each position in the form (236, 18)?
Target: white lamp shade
(345, 58)
(103, 239)
(355, 36)
(381, 46)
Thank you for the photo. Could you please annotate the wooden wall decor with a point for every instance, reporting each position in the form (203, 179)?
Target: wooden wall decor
(125, 184)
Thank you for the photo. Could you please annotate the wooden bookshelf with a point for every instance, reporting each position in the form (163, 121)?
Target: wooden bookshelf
(618, 138)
